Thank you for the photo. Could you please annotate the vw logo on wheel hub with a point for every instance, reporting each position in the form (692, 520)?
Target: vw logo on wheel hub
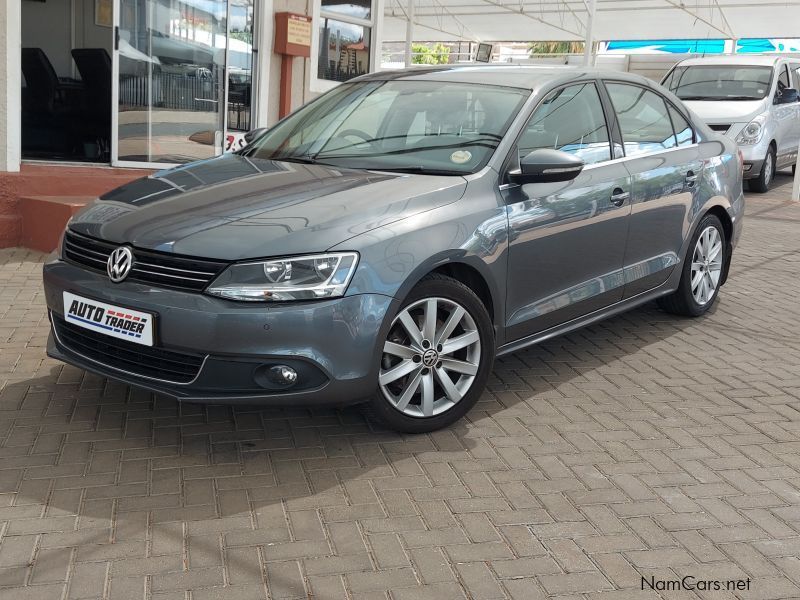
(119, 264)
(430, 358)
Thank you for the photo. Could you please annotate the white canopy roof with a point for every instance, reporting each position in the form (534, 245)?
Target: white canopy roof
(562, 20)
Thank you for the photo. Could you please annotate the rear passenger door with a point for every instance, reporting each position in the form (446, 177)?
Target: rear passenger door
(664, 162)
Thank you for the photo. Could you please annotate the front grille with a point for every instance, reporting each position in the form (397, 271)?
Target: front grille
(720, 128)
(145, 361)
(159, 268)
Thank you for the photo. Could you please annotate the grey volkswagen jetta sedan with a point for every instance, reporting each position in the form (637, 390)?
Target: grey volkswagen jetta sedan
(386, 241)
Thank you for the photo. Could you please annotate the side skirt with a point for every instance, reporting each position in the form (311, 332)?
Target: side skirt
(622, 306)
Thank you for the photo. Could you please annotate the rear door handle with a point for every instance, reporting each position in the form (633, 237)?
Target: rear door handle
(691, 178)
(618, 196)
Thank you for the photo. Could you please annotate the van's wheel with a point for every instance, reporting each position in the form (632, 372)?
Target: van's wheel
(761, 183)
(436, 358)
(702, 271)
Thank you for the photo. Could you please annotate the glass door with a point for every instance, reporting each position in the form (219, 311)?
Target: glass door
(170, 85)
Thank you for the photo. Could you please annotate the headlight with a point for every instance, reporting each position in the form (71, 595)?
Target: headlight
(752, 132)
(282, 279)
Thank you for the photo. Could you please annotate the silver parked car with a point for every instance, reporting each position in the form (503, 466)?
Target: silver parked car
(753, 100)
(389, 239)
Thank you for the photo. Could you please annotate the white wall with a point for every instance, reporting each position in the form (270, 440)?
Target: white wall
(9, 86)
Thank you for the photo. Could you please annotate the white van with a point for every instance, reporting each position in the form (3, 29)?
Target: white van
(752, 99)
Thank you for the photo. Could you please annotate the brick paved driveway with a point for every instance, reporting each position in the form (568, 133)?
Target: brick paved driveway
(646, 445)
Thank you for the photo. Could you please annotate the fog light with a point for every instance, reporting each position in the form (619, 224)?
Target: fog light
(747, 167)
(282, 375)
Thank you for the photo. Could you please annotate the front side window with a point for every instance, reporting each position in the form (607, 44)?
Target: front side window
(643, 119)
(344, 44)
(400, 125)
(571, 120)
(719, 82)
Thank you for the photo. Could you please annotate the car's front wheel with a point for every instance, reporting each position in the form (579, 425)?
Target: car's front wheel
(762, 183)
(436, 358)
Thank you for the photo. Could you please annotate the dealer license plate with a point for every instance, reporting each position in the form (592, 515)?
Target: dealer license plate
(116, 321)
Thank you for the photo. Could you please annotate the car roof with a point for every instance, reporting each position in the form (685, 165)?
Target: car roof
(758, 60)
(519, 76)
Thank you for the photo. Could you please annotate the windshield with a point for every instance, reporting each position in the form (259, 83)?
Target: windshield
(402, 125)
(720, 82)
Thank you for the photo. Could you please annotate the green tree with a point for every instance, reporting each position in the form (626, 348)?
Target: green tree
(423, 54)
(537, 48)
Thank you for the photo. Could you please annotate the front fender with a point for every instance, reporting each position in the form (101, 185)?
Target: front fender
(394, 258)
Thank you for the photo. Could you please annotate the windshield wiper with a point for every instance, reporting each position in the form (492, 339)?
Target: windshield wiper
(306, 160)
(418, 169)
(717, 98)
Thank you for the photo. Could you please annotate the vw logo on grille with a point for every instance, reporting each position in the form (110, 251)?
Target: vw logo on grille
(119, 264)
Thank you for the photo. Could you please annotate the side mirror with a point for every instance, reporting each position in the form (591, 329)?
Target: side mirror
(547, 166)
(787, 96)
(254, 134)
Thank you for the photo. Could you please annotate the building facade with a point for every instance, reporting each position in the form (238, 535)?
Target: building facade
(96, 92)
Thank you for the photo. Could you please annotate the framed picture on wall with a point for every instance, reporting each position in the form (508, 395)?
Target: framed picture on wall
(103, 13)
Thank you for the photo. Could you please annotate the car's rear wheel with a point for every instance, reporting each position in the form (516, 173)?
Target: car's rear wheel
(761, 183)
(702, 271)
(436, 358)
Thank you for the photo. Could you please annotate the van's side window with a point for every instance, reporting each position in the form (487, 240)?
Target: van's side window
(795, 69)
(783, 79)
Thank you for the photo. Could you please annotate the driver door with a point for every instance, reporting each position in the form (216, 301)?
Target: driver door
(566, 240)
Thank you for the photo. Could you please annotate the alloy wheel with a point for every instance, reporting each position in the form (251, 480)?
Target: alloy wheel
(706, 265)
(430, 358)
(768, 169)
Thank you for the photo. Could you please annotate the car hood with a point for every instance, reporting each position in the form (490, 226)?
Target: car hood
(742, 111)
(235, 207)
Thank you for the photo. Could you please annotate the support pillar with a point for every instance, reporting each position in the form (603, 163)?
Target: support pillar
(10, 85)
(588, 50)
(409, 32)
(796, 186)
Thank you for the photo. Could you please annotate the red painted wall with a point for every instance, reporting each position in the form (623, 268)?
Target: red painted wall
(52, 180)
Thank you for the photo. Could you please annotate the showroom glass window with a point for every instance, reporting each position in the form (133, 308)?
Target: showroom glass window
(570, 119)
(643, 119)
(345, 34)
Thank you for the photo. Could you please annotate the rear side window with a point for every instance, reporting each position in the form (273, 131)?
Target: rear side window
(643, 119)
(570, 119)
(684, 133)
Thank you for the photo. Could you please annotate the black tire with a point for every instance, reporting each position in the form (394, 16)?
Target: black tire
(682, 301)
(762, 183)
(441, 286)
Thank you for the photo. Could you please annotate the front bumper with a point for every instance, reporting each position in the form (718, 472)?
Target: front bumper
(336, 341)
(754, 156)
(752, 168)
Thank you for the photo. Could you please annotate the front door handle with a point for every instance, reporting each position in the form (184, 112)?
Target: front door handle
(691, 178)
(618, 196)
